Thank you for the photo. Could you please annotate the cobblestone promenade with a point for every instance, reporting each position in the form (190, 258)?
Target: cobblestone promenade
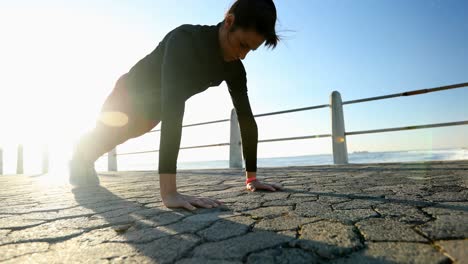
(361, 213)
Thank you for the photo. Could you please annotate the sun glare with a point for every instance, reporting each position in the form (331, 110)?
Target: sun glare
(59, 69)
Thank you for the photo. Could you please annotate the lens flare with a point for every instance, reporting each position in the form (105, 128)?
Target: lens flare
(114, 119)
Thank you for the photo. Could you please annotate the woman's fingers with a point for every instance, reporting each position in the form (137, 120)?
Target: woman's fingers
(263, 186)
(210, 202)
(200, 203)
(250, 187)
(269, 187)
(188, 206)
(277, 186)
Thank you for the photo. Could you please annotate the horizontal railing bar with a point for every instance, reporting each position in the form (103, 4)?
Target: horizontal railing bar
(415, 92)
(227, 144)
(409, 93)
(293, 138)
(191, 147)
(137, 152)
(198, 124)
(259, 115)
(407, 128)
(293, 110)
(207, 146)
(317, 136)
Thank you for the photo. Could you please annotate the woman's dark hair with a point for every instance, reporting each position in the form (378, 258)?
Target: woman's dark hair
(259, 15)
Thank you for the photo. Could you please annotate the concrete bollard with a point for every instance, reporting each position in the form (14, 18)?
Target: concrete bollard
(340, 151)
(19, 160)
(45, 160)
(235, 153)
(1, 161)
(112, 160)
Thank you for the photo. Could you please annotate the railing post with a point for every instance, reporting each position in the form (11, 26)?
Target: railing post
(19, 160)
(45, 160)
(340, 151)
(235, 154)
(1, 161)
(112, 160)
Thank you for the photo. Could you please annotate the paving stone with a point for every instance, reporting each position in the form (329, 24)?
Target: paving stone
(4, 232)
(184, 227)
(324, 211)
(288, 233)
(5, 215)
(304, 196)
(283, 255)
(285, 202)
(54, 230)
(168, 249)
(452, 196)
(15, 250)
(408, 199)
(404, 213)
(446, 227)
(231, 193)
(144, 235)
(75, 253)
(249, 197)
(226, 228)
(146, 200)
(356, 204)
(269, 212)
(18, 221)
(395, 252)
(275, 196)
(332, 199)
(119, 212)
(312, 209)
(163, 219)
(241, 206)
(456, 249)
(65, 213)
(328, 239)
(214, 214)
(237, 247)
(98, 236)
(284, 222)
(292, 200)
(382, 229)
(448, 208)
(206, 261)
(351, 216)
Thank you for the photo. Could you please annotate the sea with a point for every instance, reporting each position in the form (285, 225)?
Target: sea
(307, 160)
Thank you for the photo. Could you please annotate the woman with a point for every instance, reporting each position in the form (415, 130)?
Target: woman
(190, 59)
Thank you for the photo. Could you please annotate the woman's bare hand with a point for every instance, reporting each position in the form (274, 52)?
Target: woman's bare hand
(177, 200)
(257, 185)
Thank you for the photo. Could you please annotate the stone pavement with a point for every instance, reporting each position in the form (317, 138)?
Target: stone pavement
(360, 213)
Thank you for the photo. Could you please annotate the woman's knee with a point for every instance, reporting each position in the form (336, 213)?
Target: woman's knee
(141, 127)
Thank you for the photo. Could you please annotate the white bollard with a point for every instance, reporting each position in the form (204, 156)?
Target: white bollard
(19, 161)
(112, 160)
(235, 154)
(340, 151)
(45, 160)
(1, 161)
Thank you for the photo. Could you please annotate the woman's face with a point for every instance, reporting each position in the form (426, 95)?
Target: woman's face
(238, 43)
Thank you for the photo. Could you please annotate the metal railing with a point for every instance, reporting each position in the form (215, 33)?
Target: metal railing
(340, 154)
(338, 135)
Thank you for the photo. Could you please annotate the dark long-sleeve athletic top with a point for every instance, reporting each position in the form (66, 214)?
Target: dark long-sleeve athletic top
(186, 62)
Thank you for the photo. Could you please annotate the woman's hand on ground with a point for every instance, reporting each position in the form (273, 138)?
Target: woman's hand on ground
(257, 185)
(177, 200)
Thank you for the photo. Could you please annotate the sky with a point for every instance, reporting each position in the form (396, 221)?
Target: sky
(60, 59)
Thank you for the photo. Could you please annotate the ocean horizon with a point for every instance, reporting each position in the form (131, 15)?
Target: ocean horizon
(127, 164)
